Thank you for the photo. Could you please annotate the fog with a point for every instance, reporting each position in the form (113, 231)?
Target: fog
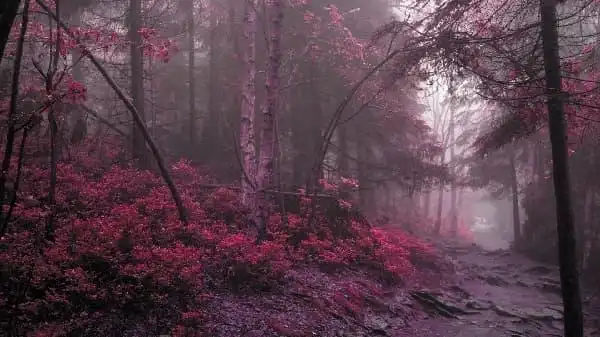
(169, 163)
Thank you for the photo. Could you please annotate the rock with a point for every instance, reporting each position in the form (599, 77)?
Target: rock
(462, 292)
(538, 314)
(495, 280)
(543, 314)
(478, 305)
(403, 300)
(377, 325)
(377, 303)
(507, 312)
(439, 304)
(516, 333)
(555, 307)
(285, 329)
(550, 287)
(539, 270)
(497, 252)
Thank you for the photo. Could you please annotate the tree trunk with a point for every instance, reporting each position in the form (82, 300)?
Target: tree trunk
(8, 12)
(54, 146)
(453, 211)
(459, 204)
(191, 73)
(152, 94)
(13, 201)
(569, 275)
(12, 115)
(528, 229)
(440, 206)
(453, 187)
(137, 77)
(515, 200)
(343, 159)
(584, 227)
(53, 167)
(267, 136)
(211, 130)
(307, 115)
(426, 203)
(363, 156)
(78, 121)
(247, 139)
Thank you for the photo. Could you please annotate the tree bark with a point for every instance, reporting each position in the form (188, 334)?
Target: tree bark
(586, 227)
(426, 204)
(343, 166)
(569, 274)
(440, 205)
(267, 136)
(515, 200)
(191, 73)
(54, 146)
(453, 187)
(247, 136)
(8, 12)
(15, 195)
(137, 77)
(363, 156)
(12, 113)
(211, 130)
(78, 121)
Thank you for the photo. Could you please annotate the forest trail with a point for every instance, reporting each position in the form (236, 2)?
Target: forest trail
(493, 294)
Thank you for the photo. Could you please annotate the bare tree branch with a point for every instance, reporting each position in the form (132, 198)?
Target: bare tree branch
(136, 116)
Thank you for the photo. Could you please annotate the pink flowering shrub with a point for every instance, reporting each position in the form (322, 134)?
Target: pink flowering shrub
(121, 259)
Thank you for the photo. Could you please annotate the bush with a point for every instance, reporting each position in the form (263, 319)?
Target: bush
(121, 260)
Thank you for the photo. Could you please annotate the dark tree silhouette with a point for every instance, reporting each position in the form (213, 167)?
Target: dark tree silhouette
(8, 12)
(569, 276)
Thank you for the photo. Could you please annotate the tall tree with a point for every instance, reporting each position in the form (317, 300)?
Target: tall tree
(78, 118)
(212, 128)
(247, 139)
(191, 35)
(453, 186)
(274, 12)
(8, 12)
(137, 76)
(569, 275)
(514, 186)
(12, 116)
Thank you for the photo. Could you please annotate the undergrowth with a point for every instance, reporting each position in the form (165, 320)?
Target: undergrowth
(119, 258)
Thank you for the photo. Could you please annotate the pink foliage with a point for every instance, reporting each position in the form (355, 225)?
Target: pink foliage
(351, 182)
(119, 248)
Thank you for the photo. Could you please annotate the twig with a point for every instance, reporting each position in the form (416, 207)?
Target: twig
(103, 120)
(275, 192)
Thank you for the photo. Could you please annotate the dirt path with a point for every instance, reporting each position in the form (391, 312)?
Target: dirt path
(492, 294)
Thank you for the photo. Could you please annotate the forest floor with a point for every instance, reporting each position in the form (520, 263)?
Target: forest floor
(491, 293)
(496, 293)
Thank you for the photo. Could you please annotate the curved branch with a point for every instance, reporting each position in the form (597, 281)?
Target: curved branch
(183, 215)
(335, 119)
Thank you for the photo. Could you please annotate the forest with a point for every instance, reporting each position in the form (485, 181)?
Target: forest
(294, 168)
